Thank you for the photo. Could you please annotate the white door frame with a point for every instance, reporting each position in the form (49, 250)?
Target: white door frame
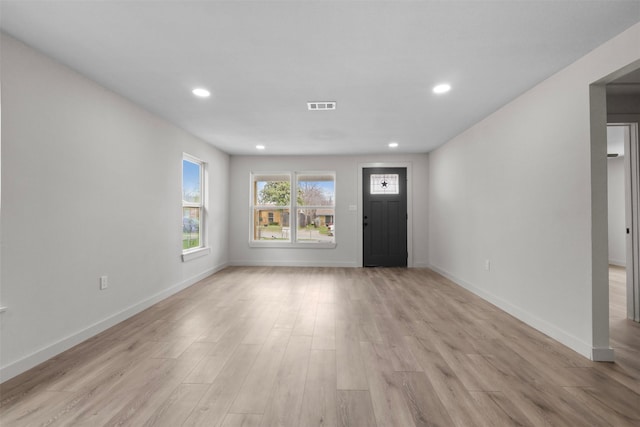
(360, 234)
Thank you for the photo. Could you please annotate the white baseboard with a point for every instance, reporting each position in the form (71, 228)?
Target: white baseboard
(291, 263)
(22, 365)
(535, 322)
(306, 264)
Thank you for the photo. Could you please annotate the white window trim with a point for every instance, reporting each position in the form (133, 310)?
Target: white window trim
(195, 253)
(203, 249)
(293, 209)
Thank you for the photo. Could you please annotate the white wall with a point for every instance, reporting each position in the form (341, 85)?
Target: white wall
(348, 250)
(90, 187)
(515, 189)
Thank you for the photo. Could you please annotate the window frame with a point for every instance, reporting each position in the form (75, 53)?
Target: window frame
(292, 207)
(202, 249)
(254, 205)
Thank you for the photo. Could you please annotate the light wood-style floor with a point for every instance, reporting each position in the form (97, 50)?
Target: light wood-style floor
(327, 347)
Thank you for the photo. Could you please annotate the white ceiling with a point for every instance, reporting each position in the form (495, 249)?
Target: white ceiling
(264, 60)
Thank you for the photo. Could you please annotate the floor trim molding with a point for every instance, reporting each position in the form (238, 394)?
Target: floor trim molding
(291, 263)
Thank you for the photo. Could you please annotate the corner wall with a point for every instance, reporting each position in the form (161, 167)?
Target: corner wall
(91, 186)
(516, 190)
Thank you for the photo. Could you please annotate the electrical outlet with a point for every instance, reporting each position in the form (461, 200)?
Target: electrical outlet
(104, 283)
(487, 264)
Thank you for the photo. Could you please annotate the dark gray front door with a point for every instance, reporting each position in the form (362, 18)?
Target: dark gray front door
(384, 219)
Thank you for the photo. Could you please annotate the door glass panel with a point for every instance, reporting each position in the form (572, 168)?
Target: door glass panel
(384, 184)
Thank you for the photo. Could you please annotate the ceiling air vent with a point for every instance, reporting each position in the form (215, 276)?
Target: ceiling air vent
(321, 105)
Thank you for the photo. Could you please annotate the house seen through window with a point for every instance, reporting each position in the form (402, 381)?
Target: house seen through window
(313, 207)
(192, 203)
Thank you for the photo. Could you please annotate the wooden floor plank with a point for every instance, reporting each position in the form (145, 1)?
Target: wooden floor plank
(242, 420)
(448, 387)
(422, 400)
(257, 387)
(143, 403)
(306, 319)
(319, 402)
(262, 326)
(619, 412)
(324, 332)
(43, 408)
(178, 406)
(285, 403)
(216, 401)
(351, 372)
(106, 401)
(355, 409)
(389, 406)
(208, 368)
(497, 410)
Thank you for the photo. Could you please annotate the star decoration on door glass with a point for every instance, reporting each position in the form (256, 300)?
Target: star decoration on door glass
(384, 184)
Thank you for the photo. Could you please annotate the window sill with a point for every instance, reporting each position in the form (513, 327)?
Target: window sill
(291, 245)
(195, 253)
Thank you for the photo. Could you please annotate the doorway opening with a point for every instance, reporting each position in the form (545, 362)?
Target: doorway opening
(623, 212)
(614, 99)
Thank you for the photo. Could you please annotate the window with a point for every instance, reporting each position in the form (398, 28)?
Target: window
(193, 207)
(313, 208)
(316, 208)
(271, 198)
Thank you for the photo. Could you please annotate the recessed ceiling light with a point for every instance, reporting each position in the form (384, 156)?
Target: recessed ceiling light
(260, 147)
(201, 92)
(393, 145)
(442, 88)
